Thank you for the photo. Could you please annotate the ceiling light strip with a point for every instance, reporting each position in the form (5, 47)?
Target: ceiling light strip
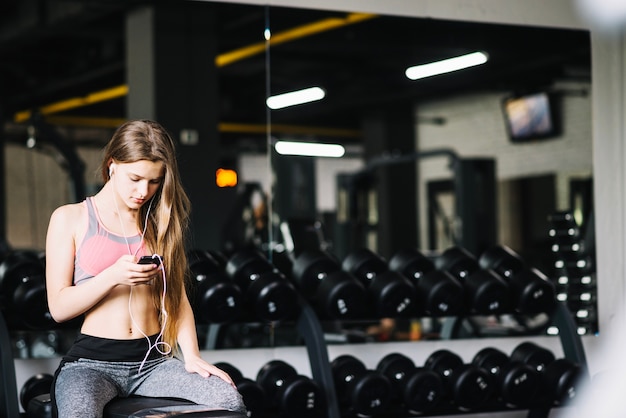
(294, 98)
(309, 149)
(445, 66)
(290, 35)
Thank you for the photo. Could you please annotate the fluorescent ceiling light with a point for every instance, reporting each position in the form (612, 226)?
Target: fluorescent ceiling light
(309, 149)
(446, 66)
(295, 98)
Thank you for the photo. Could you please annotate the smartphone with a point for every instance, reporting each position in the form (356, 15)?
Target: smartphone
(148, 259)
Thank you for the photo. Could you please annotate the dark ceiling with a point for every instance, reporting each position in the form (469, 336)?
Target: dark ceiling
(55, 50)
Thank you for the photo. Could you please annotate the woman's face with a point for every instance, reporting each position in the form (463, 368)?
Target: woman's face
(136, 183)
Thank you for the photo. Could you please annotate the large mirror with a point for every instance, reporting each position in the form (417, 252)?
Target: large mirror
(495, 154)
(427, 164)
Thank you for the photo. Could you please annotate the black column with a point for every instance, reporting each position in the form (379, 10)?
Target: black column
(4, 241)
(393, 131)
(475, 192)
(173, 79)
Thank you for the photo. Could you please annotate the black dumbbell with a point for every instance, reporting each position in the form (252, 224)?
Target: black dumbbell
(216, 298)
(334, 293)
(575, 264)
(268, 295)
(363, 391)
(289, 393)
(251, 391)
(564, 226)
(486, 293)
(438, 292)
(516, 382)
(419, 389)
(561, 377)
(391, 294)
(23, 291)
(583, 306)
(467, 386)
(531, 291)
(36, 386)
(530, 353)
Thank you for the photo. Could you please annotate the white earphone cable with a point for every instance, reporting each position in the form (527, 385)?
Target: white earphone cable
(157, 341)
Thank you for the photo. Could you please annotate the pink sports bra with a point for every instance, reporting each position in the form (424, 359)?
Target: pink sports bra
(100, 248)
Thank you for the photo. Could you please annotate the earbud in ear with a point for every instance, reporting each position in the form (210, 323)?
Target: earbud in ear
(110, 171)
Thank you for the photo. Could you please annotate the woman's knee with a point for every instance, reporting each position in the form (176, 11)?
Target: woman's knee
(223, 395)
(170, 379)
(232, 399)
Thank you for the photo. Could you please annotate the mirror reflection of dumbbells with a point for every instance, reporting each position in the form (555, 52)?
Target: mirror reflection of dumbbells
(531, 290)
(216, 298)
(467, 386)
(268, 294)
(438, 293)
(360, 390)
(251, 391)
(332, 292)
(290, 394)
(561, 377)
(486, 293)
(390, 293)
(416, 389)
(37, 344)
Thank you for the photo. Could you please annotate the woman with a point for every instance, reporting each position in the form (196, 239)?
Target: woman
(138, 322)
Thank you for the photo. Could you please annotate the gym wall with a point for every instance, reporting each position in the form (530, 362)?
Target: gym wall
(475, 127)
(36, 184)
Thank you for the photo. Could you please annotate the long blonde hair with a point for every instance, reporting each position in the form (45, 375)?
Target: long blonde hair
(168, 220)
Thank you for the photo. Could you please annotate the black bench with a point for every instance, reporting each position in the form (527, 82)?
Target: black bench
(140, 407)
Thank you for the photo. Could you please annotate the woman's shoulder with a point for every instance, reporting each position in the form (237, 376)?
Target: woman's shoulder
(69, 213)
(70, 209)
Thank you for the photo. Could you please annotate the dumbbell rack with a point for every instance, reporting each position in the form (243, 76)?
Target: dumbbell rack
(310, 329)
(572, 346)
(561, 318)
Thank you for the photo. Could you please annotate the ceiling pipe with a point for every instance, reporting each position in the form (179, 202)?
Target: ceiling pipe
(298, 32)
(221, 60)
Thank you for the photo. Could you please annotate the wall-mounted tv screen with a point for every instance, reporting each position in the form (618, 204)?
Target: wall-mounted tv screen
(531, 116)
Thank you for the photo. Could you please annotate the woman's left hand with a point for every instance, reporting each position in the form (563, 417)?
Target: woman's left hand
(204, 369)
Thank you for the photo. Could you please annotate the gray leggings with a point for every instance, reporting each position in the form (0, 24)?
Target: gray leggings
(84, 387)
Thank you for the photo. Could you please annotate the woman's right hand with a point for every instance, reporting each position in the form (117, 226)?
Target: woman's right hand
(126, 271)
